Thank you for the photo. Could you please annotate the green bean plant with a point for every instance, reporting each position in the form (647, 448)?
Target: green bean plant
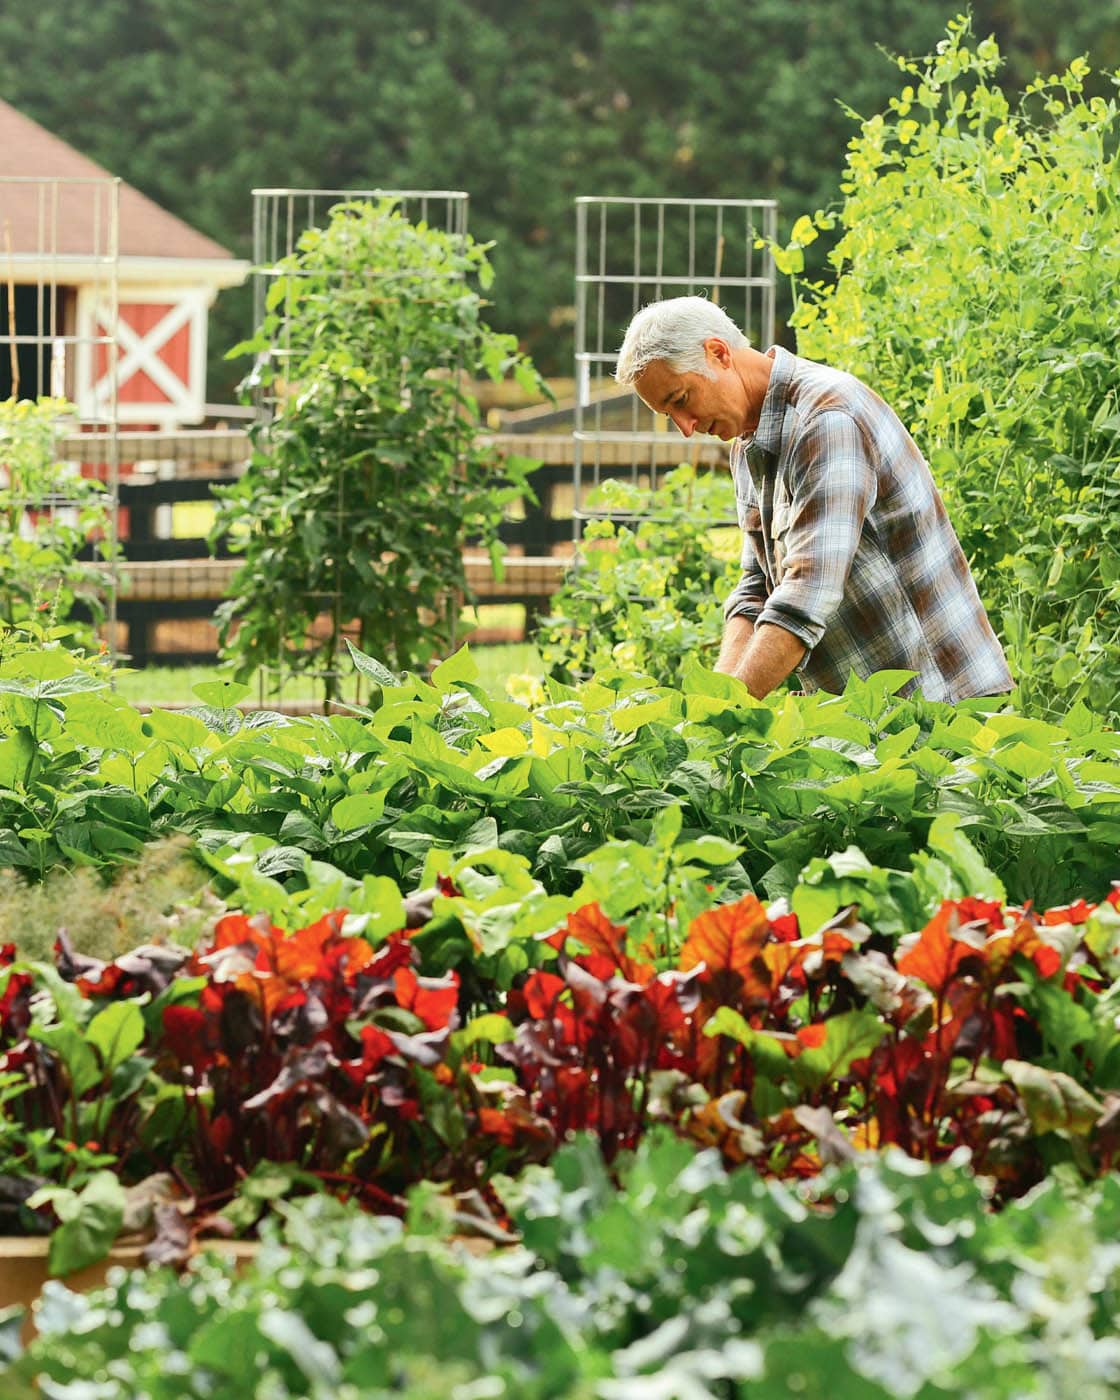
(647, 590)
(974, 288)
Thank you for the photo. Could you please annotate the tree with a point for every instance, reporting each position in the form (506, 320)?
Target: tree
(197, 101)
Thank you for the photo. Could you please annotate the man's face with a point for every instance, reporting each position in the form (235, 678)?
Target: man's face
(718, 406)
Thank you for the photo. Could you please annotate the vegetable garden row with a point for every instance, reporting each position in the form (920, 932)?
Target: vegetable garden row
(740, 1029)
(767, 1048)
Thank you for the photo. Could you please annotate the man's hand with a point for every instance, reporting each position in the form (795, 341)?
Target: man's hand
(760, 658)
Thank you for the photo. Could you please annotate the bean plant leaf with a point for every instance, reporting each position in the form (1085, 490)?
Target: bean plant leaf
(221, 694)
(371, 667)
(708, 850)
(460, 667)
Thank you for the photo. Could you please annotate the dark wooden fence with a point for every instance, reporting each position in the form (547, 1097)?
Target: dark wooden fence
(167, 580)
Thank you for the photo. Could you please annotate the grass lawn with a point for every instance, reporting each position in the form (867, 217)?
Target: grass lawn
(162, 685)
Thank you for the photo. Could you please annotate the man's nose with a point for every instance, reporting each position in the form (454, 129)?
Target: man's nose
(686, 423)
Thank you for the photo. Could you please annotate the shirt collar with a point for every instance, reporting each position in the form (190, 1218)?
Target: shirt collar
(768, 434)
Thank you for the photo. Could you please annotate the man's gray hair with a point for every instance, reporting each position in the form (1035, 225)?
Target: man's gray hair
(675, 331)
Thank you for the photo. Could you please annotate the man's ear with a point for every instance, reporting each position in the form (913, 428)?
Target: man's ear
(718, 351)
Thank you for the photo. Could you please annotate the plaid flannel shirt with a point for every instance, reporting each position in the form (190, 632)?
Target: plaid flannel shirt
(847, 545)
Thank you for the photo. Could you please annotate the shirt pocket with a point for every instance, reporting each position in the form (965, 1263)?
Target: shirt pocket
(745, 503)
(750, 520)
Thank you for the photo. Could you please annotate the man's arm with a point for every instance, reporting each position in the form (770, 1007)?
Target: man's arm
(760, 657)
(737, 632)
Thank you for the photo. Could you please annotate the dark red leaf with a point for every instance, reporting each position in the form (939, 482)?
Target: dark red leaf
(434, 999)
(221, 1133)
(1004, 1043)
(185, 1035)
(15, 1006)
(541, 993)
(375, 1046)
(397, 951)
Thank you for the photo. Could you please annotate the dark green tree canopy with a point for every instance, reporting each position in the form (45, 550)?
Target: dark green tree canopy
(197, 102)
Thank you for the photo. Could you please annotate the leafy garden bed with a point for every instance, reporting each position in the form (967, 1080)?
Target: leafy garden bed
(444, 767)
(185, 1076)
(448, 931)
(671, 1279)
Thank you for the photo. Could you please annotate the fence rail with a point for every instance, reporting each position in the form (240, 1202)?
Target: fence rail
(167, 580)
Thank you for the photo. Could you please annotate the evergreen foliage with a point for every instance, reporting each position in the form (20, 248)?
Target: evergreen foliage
(195, 104)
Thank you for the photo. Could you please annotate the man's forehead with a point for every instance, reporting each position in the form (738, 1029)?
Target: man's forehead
(657, 383)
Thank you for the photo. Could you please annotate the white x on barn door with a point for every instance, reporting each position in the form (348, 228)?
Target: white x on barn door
(150, 355)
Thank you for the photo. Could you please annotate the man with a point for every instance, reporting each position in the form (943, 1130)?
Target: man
(850, 562)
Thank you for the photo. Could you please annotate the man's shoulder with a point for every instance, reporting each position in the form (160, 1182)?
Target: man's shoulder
(819, 392)
(815, 388)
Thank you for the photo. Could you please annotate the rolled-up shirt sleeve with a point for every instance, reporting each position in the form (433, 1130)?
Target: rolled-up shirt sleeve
(748, 597)
(833, 480)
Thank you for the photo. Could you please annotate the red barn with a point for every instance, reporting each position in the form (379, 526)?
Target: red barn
(65, 259)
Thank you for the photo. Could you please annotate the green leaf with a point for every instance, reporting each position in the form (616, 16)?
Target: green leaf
(88, 1234)
(358, 810)
(11, 1327)
(369, 666)
(948, 841)
(897, 745)
(632, 714)
(78, 1059)
(461, 667)
(220, 694)
(317, 1360)
(848, 1038)
(1054, 1101)
(175, 727)
(767, 1052)
(708, 850)
(492, 1028)
(116, 1032)
(666, 827)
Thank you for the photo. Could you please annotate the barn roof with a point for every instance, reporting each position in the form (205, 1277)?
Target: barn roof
(73, 219)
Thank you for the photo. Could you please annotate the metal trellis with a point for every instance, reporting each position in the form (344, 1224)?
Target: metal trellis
(631, 251)
(59, 312)
(281, 218)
